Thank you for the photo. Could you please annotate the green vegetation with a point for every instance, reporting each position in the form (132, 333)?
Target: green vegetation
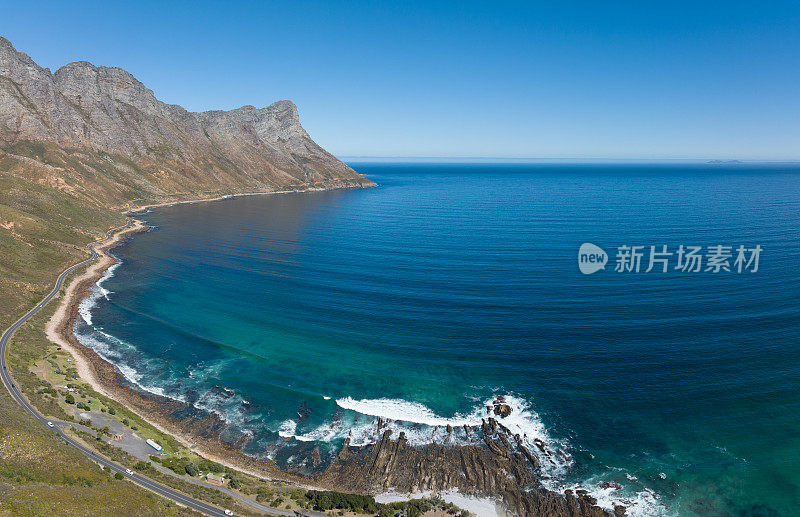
(53, 202)
(362, 504)
(179, 465)
(234, 481)
(339, 501)
(40, 475)
(43, 229)
(210, 466)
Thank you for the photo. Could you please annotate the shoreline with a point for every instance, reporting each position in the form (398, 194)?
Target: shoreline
(107, 380)
(143, 208)
(202, 432)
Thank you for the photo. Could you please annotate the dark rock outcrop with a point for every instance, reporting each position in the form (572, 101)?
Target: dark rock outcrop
(494, 468)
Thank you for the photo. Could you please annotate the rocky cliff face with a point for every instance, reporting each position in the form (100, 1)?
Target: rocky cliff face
(499, 466)
(90, 120)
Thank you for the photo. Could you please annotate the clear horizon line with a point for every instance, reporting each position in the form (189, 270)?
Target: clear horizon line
(345, 157)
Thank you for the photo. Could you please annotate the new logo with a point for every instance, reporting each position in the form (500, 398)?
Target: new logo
(591, 258)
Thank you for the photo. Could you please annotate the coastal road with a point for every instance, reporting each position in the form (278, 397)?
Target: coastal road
(140, 480)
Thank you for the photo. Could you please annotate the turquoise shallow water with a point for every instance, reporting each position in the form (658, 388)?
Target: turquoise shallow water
(423, 298)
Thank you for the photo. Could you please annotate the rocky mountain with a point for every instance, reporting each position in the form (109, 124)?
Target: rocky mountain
(98, 132)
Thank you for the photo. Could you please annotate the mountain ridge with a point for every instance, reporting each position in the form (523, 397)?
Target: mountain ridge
(108, 113)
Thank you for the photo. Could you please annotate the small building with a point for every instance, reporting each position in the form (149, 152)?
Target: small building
(152, 443)
(215, 479)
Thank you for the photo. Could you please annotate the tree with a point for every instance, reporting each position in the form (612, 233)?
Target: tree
(192, 469)
(176, 465)
(211, 466)
(69, 399)
(118, 476)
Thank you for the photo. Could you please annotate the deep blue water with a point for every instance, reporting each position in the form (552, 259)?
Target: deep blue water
(423, 298)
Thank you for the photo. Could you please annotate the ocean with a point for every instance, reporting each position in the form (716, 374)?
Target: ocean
(299, 318)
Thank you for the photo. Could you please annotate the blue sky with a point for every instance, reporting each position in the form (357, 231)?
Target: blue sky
(536, 79)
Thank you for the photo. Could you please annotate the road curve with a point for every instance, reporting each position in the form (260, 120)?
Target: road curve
(140, 480)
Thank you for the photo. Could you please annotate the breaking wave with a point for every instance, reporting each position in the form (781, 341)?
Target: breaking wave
(361, 421)
(422, 425)
(97, 292)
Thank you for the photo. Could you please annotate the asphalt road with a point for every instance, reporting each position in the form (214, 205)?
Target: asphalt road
(59, 427)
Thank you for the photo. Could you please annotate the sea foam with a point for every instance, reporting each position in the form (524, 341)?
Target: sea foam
(97, 292)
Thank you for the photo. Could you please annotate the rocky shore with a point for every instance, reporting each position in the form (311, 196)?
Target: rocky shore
(500, 466)
(496, 463)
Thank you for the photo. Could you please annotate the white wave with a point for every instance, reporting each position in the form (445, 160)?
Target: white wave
(324, 433)
(91, 339)
(109, 273)
(129, 373)
(87, 304)
(523, 420)
(288, 427)
(421, 426)
(402, 410)
(112, 350)
(637, 503)
(555, 462)
(326, 397)
(97, 292)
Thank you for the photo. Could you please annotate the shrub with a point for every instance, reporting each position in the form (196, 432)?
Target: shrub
(211, 466)
(325, 500)
(192, 469)
(118, 476)
(264, 494)
(176, 465)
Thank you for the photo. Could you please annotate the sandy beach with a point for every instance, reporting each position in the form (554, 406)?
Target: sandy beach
(195, 429)
(390, 464)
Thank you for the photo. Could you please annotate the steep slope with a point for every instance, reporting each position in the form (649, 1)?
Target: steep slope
(99, 127)
(75, 147)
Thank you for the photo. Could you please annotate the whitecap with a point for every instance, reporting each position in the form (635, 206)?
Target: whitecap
(398, 409)
(288, 427)
(97, 292)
